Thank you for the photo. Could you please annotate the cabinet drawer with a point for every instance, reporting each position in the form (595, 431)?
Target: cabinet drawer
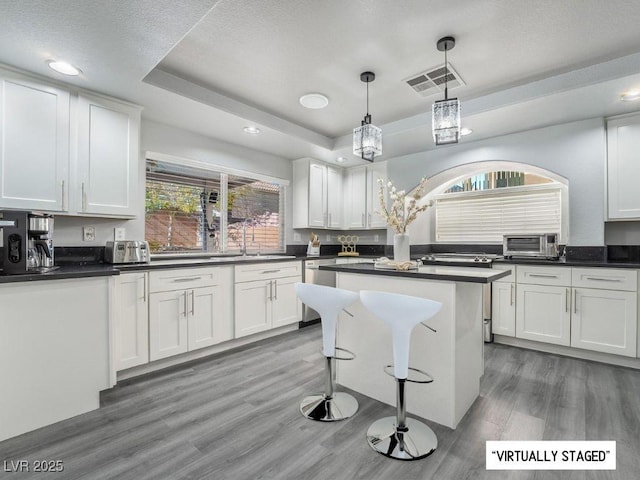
(543, 275)
(605, 278)
(260, 271)
(509, 278)
(182, 278)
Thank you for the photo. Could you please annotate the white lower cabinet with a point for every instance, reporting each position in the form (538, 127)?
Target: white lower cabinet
(503, 308)
(131, 320)
(543, 313)
(189, 318)
(265, 297)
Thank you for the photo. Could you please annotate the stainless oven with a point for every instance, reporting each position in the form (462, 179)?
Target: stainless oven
(312, 274)
(539, 245)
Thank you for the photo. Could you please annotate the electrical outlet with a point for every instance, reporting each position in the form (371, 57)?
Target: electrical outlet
(119, 233)
(297, 237)
(89, 234)
(376, 238)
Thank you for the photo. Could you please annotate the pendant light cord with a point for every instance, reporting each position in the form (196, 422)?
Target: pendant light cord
(446, 74)
(367, 97)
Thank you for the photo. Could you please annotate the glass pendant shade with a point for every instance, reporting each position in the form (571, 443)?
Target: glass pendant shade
(446, 121)
(367, 141)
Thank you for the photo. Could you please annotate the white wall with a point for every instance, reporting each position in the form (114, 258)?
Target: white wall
(575, 151)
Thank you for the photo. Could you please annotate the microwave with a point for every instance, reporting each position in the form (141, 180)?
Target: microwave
(542, 245)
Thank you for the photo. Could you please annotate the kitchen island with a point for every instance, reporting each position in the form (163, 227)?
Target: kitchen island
(453, 355)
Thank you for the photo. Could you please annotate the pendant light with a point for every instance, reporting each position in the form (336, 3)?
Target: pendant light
(446, 113)
(367, 138)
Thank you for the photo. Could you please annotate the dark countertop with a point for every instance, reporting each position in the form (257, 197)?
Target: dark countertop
(62, 272)
(427, 272)
(567, 263)
(101, 270)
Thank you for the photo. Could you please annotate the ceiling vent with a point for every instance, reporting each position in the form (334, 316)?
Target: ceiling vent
(431, 81)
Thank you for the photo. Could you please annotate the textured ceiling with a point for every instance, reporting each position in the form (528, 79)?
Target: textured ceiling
(267, 54)
(215, 66)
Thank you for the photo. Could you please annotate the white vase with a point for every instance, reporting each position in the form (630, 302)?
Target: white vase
(401, 247)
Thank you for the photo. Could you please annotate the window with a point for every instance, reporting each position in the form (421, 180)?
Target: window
(482, 208)
(200, 210)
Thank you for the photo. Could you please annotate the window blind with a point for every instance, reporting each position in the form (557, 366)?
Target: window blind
(484, 217)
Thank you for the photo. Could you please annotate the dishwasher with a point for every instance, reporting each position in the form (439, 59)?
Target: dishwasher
(312, 274)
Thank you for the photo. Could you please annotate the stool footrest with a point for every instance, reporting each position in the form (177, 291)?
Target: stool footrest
(351, 357)
(425, 377)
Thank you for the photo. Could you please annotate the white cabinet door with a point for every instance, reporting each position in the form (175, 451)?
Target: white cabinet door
(252, 307)
(543, 313)
(34, 145)
(374, 172)
(503, 308)
(334, 197)
(108, 151)
(605, 321)
(131, 322)
(285, 307)
(210, 319)
(355, 198)
(168, 313)
(623, 167)
(317, 195)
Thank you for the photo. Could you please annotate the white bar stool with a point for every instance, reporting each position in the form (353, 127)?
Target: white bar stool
(400, 437)
(328, 302)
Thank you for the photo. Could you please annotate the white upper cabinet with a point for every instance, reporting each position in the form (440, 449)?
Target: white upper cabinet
(107, 156)
(623, 167)
(65, 151)
(34, 144)
(375, 171)
(317, 195)
(355, 193)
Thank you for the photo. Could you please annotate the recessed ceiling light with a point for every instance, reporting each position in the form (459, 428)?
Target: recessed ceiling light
(341, 159)
(465, 131)
(630, 96)
(314, 101)
(63, 67)
(251, 130)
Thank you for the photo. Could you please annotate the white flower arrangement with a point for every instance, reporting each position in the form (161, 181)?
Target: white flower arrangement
(400, 213)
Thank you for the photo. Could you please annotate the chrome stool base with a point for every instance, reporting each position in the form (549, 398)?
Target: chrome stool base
(319, 407)
(417, 442)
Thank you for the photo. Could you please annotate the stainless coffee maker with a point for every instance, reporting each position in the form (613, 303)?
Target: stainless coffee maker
(27, 240)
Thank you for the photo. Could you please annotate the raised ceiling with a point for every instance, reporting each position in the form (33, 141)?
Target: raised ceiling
(213, 67)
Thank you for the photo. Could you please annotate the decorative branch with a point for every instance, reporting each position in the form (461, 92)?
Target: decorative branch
(401, 213)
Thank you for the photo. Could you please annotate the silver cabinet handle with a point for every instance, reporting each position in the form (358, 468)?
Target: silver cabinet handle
(275, 289)
(566, 301)
(64, 197)
(185, 303)
(369, 219)
(144, 287)
(193, 302)
(363, 219)
(604, 279)
(269, 285)
(511, 295)
(542, 276)
(575, 300)
(84, 199)
(185, 279)
(270, 271)
(329, 218)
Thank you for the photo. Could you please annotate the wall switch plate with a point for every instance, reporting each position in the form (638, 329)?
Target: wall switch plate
(297, 237)
(119, 233)
(89, 234)
(328, 237)
(376, 238)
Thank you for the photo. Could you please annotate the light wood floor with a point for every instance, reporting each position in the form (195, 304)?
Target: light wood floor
(235, 416)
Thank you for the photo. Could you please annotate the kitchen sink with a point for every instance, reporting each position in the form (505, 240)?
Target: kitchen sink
(238, 258)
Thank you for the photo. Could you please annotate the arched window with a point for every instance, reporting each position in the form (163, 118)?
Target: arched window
(483, 207)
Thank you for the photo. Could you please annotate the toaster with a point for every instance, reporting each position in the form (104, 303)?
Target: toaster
(127, 251)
